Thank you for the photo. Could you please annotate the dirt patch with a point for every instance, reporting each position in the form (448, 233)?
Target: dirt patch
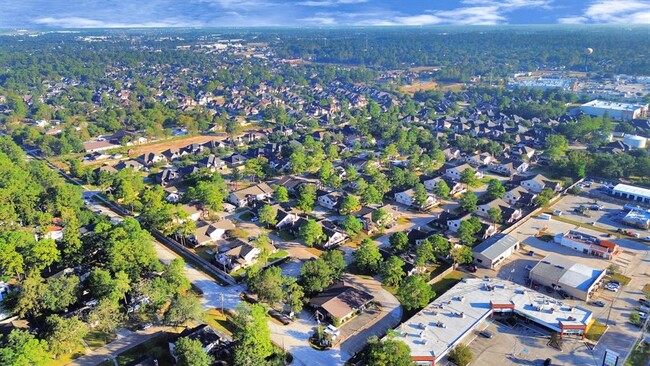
(424, 68)
(411, 89)
(161, 146)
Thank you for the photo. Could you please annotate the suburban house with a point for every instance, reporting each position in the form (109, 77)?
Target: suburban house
(193, 210)
(480, 159)
(365, 216)
(213, 343)
(150, 159)
(510, 167)
(455, 172)
(330, 200)
(241, 255)
(132, 164)
(539, 182)
(283, 218)
(210, 232)
(419, 234)
(455, 187)
(508, 214)
(451, 154)
(519, 196)
(332, 237)
(234, 160)
(340, 302)
(453, 222)
(407, 198)
(244, 196)
(212, 162)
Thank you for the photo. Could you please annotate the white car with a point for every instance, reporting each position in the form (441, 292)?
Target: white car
(642, 315)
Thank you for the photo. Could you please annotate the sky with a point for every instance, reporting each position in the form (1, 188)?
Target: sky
(31, 14)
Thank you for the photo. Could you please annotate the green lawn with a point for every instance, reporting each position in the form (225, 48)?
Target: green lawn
(622, 279)
(68, 357)
(447, 282)
(277, 255)
(156, 347)
(246, 216)
(640, 355)
(98, 339)
(285, 235)
(596, 330)
(218, 320)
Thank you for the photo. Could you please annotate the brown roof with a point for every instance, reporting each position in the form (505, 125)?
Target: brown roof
(340, 300)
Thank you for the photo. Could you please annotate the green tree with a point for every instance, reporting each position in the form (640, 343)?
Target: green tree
(315, 276)
(371, 195)
(298, 161)
(183, 309)
(293, 295)
(420, 195)
(190, 352)
(281, 194)
(399, 242)
(495, 189)
(442, 189)
(60, 292)
(441, 245)
(556, 146)
(252, 336)
(392, 271)
(425, 252)
(461, 254)
(352, 225)
(461, 355)
(174, 274)
(468, 201)
(415, 293)
(367, 257)
(100, 283)
(105, 316)
(21, 348)
(495, 214)
(336, 262)
(349, 204)
(544, 197)
(29, 297)
(306, 197)
(267, 215)
(64, 334)
(388, 352)
(268, 285)
(311, 232)
(467, 232)
(468, 176)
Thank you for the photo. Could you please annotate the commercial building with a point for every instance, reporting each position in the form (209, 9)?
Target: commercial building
(616, 110)
(587, 244)
(635, 141)
(455, 316)
(494, 250)
(575, 279)
(638, 218)
(632, 192)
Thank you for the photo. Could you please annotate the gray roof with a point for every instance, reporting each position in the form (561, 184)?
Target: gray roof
(496, 245)
(566, 272)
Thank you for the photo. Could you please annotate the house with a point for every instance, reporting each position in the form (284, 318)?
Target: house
(234, 160)
(537, 183)
(418, 235)
(340, 302)
(330, 200)
(283, 218)
(509, 214)
(407, 198)
(480, 159)
(53, 232)
(212, 162)
(129, 164)
(365, 216)
(193, 211)
(244, 196)
(519, 196)
(209, 232)
(522, 151)
(455, 172)
(510, 167)
(213, 343)
(99, 145)
(453, 221)
(451, 154)
(151, 158)
(455, 187)
(168, 176)
(241, 255)
(174, 154)
(332, 237)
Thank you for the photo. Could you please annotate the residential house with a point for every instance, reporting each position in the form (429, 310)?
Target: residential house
(132, 164)
(340, 302)
(193, 211)
(451, 154)
(455, 187)
(235, 160)
(333, 237)
(519, 196)
(418, 235)
(365, 216)
(210, 232)
(330, 200)
(151, 158)
(522, 151)
(212, 343)
(244, 196)
(212, 162)
(407, 198)
(509, 214)
(480, 159)
(174, 154)
(510, 167)
(168, 176)
(241, 255)
(455, 172)
(539, 182)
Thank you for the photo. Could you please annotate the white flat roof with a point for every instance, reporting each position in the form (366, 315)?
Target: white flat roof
(604, 104)
(472, 298)
(637, 191)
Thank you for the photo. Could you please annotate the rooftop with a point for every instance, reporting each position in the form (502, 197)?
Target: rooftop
(637, 191)
(438, 327)
(605, 104)
(567, 272)
(496, 245)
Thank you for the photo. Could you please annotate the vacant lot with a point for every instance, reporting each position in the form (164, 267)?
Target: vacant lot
(411, 89)
(161, 146)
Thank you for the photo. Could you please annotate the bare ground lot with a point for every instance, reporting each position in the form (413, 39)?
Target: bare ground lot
(415, 87)
(161, 146)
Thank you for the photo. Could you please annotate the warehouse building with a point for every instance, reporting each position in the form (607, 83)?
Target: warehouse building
(455, 316)
(587, 244)
(631, 192)
(616, 110)
(638, 217)
(575, 279)
(494, 250)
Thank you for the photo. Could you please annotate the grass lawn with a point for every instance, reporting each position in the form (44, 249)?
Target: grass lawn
(246, 216)
(640, 355)
(202, 252)
(218, 320)
(238, 233)
(314, 251)
(277, 255)
(98, 339)
(402, 220)
(622, 279)
(68, 357)
(356, 240)
(447, 282)
(156, 347)
(285, 235)
(596, 330)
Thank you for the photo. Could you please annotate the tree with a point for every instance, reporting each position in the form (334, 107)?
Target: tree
(392, 271)
(399, 242)
(380, 217)
(367, 257)
(315, 276)
(495, 189)
(252, 335)
(349, 204)
(461, 254)
(371, 195)
(468, 201)
(441, 246)
(461, 355)
(268, 285)
(182, 309)
(21, 348)
(105, 316)
(425, 253)
(60, 292)
(495, 214)
(556, 146)
(311, 232)
(635, 318)
(352, 225)
(298, 161)
(544, 197)
(64, 334)
(267, 215)
(100, 283)
(190, 352)
(306, 197)
(420, 195)
(174, 274)
(468, 176)
(388, 352)
(415, 293)
(293, 295)
(281, 194)
(29, 297)
(441, 189)
(335, 261)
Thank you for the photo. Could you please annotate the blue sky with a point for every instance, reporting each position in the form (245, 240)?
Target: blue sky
(215, 13)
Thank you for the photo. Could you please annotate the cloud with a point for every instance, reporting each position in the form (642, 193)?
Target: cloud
(330, 3)
(476, 15)
(511, 4)
(320, 20)
(613, 12)
(79, 22)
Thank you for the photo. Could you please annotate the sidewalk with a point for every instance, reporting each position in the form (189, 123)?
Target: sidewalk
(113, 349)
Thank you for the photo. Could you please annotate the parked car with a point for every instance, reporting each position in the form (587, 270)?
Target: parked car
(548, 362)
(471, 268)
(529, 267)
(531, 253)
(644, 301)
(611, 288)
(647, 238)
(486, 334)
(600, 304)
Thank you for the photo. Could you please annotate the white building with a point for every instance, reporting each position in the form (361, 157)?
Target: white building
(587, 244)
(635, 142)
(407, 198)
(560, 273)
(616, 110)
(455, 172)
(632, 192)
(493, 251)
